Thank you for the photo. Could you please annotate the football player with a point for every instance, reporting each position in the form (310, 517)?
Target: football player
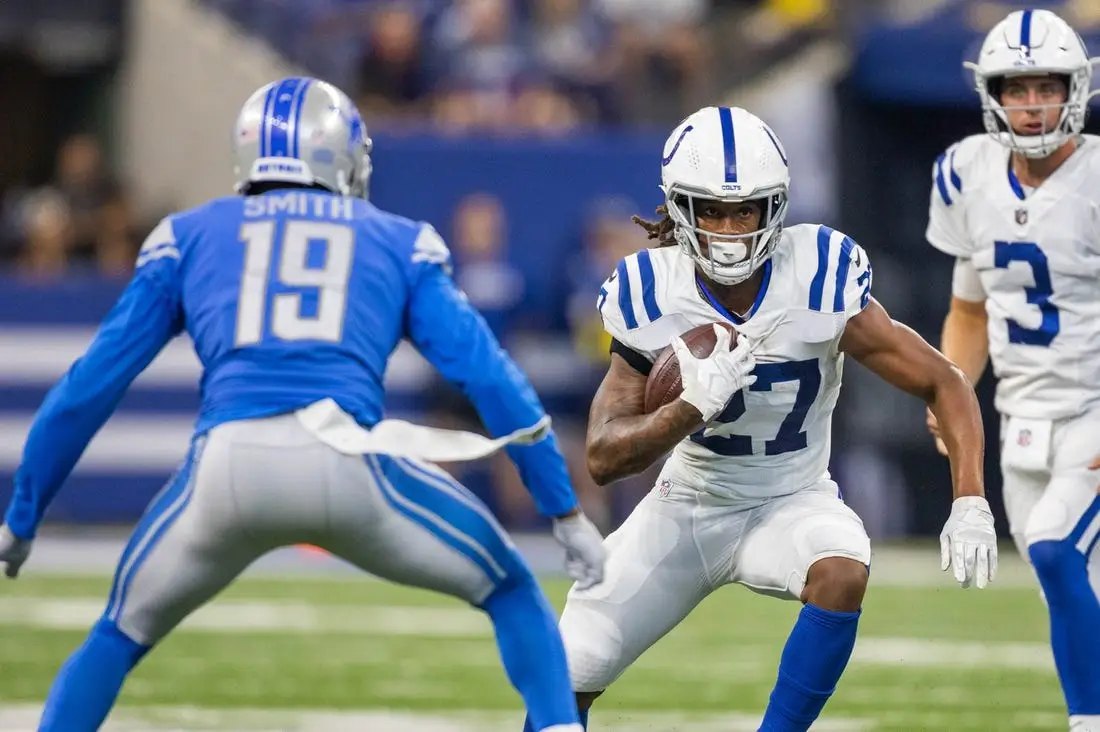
(745, 496)
(1017, 208)
(295, 293)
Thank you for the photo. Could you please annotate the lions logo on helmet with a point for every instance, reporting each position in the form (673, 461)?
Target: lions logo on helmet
(304, 131)
(1033, 43)
(725, 154)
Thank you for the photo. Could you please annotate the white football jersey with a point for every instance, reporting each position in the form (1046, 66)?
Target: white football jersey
(1037, 254)
(774, 437)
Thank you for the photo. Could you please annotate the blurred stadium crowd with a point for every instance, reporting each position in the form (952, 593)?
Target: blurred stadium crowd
(507, 65)
(449, 66)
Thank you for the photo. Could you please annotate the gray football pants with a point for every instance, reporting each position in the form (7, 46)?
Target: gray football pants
(252, 486)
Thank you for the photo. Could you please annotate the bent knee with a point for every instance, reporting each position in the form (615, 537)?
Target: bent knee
(131, 648)
(837, 584)
(1065, 509)
(517, 585)
(593, 649)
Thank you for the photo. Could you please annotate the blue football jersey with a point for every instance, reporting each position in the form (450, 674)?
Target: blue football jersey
(288, 297)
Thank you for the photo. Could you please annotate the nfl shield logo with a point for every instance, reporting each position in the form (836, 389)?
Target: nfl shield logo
(1021, 216)
(1024, 438)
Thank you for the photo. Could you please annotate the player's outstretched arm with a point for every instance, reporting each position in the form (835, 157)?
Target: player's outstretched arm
(622, 439)
(901, 357)
(143, 320)
(455, 339)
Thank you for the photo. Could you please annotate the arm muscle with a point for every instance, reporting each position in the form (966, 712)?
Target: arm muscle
(898, 355)
(965, 339)
(622, 439)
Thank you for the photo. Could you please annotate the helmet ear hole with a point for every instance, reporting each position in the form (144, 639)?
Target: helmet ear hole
(994, 86)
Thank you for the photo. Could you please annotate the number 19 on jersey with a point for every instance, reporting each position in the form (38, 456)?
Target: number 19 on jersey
(276, 280)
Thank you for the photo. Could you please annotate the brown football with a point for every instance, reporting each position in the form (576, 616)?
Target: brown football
(664, 383)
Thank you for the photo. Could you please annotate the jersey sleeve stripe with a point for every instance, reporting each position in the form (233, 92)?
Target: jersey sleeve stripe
(601, 299)
(817, 285)
(649, 283)
(955, 179)
(626, 303)
(941, 181)
(163, 234)
(160, 243)
(155, 254)
(845, 259)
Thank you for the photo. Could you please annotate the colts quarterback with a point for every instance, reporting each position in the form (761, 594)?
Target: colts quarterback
(746, 496)
(1018, 209)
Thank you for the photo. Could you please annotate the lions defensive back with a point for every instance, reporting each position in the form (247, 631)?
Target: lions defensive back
(294, 294)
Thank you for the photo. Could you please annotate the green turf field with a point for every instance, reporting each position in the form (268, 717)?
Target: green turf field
(340, 654)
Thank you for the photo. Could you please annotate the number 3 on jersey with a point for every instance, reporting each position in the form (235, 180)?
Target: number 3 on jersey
(310, 301)
(1004, 254)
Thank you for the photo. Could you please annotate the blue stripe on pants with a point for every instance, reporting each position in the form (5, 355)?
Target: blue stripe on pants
(459, 521)
(162, 513)
(446, 482)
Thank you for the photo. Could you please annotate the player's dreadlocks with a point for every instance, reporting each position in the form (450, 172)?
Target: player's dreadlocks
(661, 230)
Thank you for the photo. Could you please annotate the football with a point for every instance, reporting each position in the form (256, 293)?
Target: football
(664, 385)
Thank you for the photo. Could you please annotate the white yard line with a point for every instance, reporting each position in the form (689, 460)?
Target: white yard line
(917, 652)
(78, 613)
(237, 617)
(190, 719)
(95, 554)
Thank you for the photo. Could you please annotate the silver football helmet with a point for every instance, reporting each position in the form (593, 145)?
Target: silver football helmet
(305, 131)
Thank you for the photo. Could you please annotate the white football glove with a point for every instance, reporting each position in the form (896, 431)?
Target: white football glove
(710, 383)
(968, 542)
(13, 551)
(584, 552)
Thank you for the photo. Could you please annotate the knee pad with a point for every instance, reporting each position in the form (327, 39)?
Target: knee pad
(594, 648)
(1066, 510)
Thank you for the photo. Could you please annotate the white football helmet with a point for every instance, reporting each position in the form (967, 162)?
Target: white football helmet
(1033, 43)
(725, 154)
